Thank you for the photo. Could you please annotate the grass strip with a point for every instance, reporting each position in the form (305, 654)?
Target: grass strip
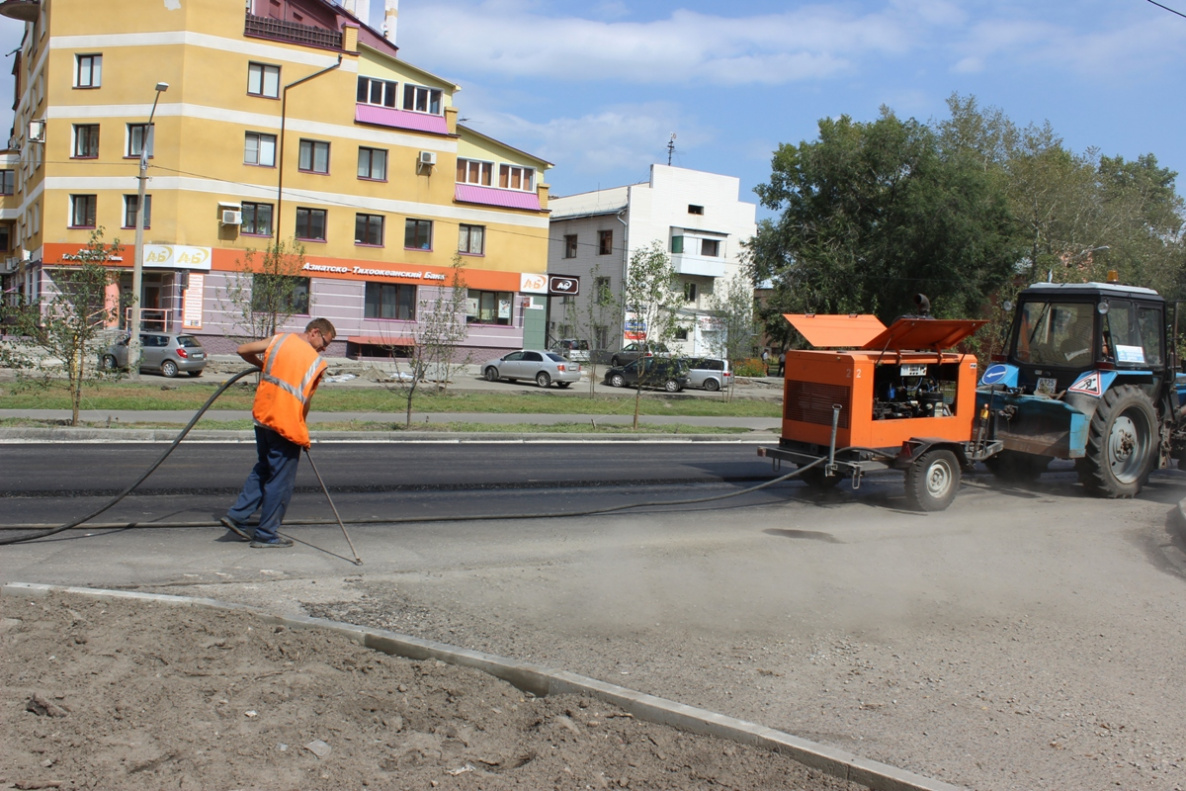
(191, 395)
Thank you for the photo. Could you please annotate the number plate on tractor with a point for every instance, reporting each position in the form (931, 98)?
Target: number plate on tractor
(1045, 387)
(913, 370)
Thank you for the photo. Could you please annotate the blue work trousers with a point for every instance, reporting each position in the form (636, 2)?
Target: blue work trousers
(268, 488)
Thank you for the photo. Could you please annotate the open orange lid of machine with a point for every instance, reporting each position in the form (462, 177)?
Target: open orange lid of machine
(866, 331)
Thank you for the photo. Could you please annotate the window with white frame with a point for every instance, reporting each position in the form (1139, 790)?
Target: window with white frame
(7, 182)
(514, 177)
(86, 141)
(710, 247)
(263, 79)
(473, 171)
(139, 135)
(131, 202)
(88, 71)
(372, 163)
(314, 156)
(689, 292)
(259, 148)
(82, 210)
(380, 93)
(420, 99)
(368, 229)
(472, 239)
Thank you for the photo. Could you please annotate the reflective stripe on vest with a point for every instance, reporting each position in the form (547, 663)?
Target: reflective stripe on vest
(289, 375)
(295, 392)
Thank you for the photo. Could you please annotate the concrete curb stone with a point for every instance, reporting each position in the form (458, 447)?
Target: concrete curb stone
(68, 434)
(541, 681)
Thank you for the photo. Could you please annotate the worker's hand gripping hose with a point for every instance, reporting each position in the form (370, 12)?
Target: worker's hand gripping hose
(142, 478)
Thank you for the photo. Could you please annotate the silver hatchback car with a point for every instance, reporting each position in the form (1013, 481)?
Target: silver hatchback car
(165, 352)
(543, 367)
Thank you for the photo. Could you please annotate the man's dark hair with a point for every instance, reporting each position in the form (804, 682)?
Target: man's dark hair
(323, 326)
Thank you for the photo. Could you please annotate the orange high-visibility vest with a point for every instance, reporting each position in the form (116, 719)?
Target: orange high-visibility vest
(289, 377)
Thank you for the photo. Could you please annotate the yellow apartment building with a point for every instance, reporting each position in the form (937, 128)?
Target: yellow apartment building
(287, 121)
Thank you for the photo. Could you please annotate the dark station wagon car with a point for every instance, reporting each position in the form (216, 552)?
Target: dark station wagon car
(669, 373)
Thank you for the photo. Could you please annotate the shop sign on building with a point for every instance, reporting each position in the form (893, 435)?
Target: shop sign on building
(533, 283)
(176, 256)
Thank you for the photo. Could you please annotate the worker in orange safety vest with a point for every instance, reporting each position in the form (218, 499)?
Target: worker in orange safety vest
(290, 370)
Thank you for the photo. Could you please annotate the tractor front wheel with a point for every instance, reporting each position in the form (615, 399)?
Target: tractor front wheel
(1121, 444)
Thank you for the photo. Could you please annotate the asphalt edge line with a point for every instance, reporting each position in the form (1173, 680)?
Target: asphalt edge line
(542, 681)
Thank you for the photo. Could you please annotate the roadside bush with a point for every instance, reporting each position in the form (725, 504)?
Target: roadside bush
(751, 366)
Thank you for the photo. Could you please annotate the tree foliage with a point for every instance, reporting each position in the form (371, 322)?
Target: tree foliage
(968, 210)
(874, 213)
(732, 307)
(435, 341)
(651, 298)
(66, 324)
(267, 290)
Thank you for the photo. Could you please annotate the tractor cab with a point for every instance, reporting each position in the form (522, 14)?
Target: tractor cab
(1061, 331)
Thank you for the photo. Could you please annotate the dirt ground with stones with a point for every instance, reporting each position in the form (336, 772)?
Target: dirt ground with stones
(139, 695)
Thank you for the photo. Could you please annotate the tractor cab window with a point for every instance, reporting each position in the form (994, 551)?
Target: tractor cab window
(1151, 326)
(1056, 333)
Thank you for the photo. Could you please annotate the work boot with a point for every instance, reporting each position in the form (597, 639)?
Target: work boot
(276, 543)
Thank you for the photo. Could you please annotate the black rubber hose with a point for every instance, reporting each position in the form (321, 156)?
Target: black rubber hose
(142, 478)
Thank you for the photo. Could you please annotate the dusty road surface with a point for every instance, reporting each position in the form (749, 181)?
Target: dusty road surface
(1027, 639)
(132, 695)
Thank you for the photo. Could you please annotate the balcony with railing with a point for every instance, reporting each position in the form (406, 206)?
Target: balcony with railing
(706, 266)
(291, 32)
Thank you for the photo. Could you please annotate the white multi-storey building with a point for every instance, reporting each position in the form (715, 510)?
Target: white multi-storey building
(697, 216)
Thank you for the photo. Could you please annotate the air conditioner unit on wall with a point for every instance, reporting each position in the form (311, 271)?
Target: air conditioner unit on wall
(232, 217)
(428, 158)
(11, 263)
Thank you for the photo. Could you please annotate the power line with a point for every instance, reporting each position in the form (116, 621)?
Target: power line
(1167, 8)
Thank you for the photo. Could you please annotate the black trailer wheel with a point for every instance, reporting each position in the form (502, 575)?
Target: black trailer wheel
(932, 480)
(1121, 444)
(1013, 466)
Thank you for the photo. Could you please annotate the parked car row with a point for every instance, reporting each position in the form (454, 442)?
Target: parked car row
(672, 373)
(668, 373)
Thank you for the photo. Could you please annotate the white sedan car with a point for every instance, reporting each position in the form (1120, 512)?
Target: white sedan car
(543, 367)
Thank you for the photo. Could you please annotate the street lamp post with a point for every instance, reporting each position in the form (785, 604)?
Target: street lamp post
(138, 264)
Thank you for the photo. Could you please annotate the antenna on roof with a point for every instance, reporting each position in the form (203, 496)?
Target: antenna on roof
(670, 148)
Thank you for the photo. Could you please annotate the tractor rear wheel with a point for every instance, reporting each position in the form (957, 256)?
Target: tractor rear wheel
(1121, 444)
(1013, 466)
(932, 480)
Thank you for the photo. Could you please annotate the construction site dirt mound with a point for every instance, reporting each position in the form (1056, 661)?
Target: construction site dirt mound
(114, 694)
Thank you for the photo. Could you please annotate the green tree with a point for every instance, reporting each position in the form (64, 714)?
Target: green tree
(732, 307)
(267, 290)
(651, 297)
(873, 213)
(589, 318)
(431, 352)
(67, 325)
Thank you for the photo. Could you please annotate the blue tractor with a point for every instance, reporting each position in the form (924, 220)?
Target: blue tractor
(1087, 375)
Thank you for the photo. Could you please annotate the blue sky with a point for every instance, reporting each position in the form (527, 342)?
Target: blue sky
(599, 87)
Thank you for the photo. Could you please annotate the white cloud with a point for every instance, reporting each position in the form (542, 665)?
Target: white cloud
(807, 42)
(616, 139)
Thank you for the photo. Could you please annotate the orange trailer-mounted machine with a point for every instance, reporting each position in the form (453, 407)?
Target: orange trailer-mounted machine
(897, 400)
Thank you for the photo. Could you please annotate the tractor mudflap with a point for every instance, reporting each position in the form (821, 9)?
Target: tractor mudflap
(1035, 424)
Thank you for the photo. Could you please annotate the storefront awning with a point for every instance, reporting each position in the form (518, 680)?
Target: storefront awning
(381, 340)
